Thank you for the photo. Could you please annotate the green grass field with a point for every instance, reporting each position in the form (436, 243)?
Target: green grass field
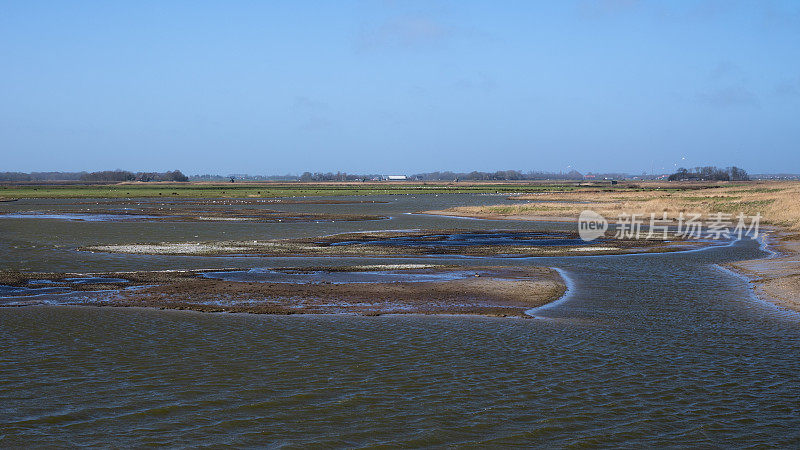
(266, 190)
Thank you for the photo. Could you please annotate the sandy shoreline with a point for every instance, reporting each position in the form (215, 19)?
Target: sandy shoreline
(775, 279)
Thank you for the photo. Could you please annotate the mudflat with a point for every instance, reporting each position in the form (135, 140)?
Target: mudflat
(409, 289)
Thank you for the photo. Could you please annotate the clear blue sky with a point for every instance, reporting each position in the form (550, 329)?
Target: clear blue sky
(269, 87)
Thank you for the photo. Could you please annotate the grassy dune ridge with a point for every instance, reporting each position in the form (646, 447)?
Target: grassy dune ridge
(775, 279)
(778, 202)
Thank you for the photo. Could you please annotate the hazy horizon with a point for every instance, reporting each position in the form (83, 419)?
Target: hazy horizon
(352, 173)
(400, 87)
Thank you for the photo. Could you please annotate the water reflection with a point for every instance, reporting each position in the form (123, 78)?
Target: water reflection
(647, 350)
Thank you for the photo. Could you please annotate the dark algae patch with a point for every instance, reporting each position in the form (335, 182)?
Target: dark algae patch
(468, 239)
(411, 243)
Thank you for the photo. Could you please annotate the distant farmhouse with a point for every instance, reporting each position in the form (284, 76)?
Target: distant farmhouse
(396, 178)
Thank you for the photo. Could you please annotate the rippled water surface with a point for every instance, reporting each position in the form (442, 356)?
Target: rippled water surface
(645, 350)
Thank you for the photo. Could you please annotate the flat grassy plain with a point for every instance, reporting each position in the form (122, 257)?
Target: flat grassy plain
(10, 191)
(266, 190)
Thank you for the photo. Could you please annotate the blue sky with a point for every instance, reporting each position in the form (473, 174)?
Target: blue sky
(269, 87)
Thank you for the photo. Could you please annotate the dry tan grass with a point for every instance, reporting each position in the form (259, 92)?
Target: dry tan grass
(778, 202)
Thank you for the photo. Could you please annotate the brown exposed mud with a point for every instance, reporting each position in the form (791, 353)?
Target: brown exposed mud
(495, 291)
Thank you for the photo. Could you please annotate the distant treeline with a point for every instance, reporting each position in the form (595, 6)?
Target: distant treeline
(102, 176)
(41, 176)
(124, 175)
(243, 177)
(500, 175)
(698, 174)
(710, 173)
(338, 176)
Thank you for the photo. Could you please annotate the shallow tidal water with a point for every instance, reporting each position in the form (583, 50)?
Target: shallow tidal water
(645, 350)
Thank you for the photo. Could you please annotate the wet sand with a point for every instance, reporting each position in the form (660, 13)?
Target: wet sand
(777, 277)
(490, 291)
